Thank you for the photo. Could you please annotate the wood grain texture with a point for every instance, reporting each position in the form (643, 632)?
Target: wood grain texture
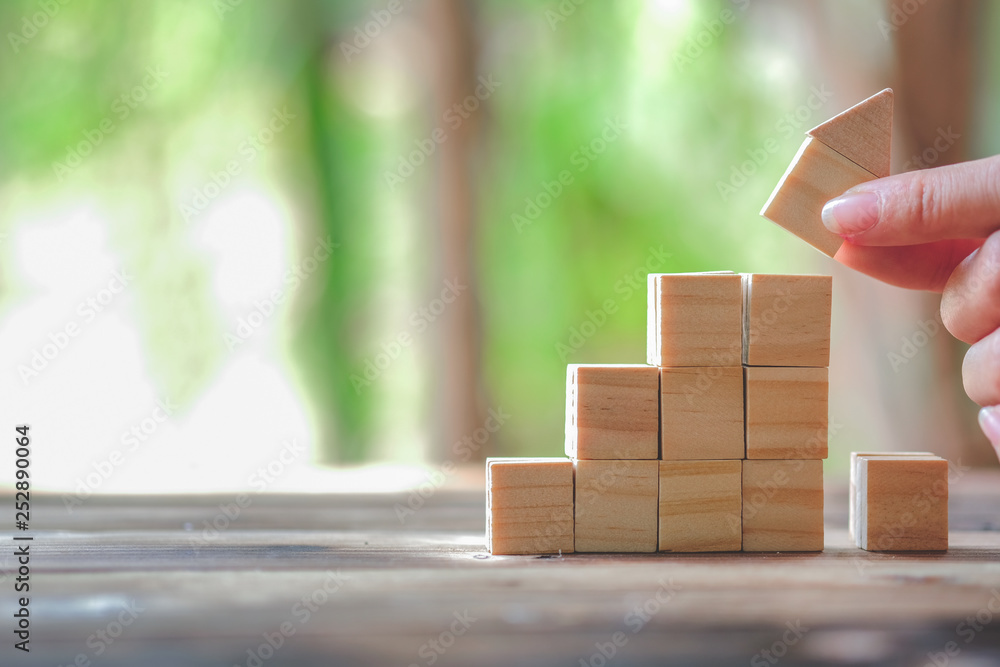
(616, 506)
(529, 506)
(783, 505)
(903, 503)
(787, 412)
(701, 413)
(863, 133)
(816, 175)
(852, 491)
(694, 319)
(612, 411)
(701, 504)
(787, 320)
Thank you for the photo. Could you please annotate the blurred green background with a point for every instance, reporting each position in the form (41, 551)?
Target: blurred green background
(409, 217)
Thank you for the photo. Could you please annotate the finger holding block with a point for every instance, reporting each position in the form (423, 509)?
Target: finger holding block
(701, 504)
(529, 506)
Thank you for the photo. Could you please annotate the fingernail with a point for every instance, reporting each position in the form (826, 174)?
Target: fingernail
(989, 421)
(849, 215)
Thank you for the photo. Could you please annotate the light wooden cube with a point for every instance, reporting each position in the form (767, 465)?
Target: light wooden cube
(529, 505)
(694, 319)
(701, 504)
(612, 412)
(903, 503)
(616, 505)
(816, 175)
(783, 505)
(786, 412)
(701, 413)
(852, 493)
(787, 320)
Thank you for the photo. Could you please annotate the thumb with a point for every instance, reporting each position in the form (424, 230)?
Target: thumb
(959, 201)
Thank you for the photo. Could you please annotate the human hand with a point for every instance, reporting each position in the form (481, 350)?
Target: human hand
(937, 230)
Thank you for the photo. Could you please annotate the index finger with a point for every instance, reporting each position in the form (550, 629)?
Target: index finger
(923, 267)
(959, 201)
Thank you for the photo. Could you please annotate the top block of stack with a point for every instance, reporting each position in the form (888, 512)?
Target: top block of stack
(695, 319)
(787, 320)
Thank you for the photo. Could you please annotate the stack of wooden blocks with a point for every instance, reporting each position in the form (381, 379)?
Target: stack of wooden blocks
(716, 444)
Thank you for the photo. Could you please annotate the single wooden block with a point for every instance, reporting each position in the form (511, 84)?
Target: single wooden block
(616, 505)
(786, 320)
(694, 319)
(903, 503)
(701, 505)
(529, 505)
(862, 134)
(783, 505)
(852, 492)
(786, 412)
(816, 175)
(612, 411)
(701, 413)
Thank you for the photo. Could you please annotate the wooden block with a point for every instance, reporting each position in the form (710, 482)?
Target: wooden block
(862, 134)
(786, 320)
(616, 505)
(694, 319)
(701, 503)
(529, 505)
(852, 492)
(816, 175)
(701, 413)
(903, 503)
(783, 505)
(786, 412)
(612, 412)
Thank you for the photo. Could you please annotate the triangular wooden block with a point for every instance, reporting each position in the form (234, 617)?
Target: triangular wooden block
(862, 134)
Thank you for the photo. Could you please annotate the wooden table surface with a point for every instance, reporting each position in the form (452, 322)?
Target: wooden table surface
(137, 581)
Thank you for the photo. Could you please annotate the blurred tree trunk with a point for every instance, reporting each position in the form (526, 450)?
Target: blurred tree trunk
(459, 406)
